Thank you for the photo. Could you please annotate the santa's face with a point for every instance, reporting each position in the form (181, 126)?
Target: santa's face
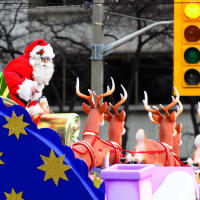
(43, 70)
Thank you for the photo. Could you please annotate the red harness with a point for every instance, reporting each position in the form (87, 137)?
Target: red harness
(118, 150)
(89, 147)
(90, 150)
(166, 150)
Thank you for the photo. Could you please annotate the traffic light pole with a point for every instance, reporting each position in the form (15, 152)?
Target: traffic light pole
(107, 49)
(98, 48)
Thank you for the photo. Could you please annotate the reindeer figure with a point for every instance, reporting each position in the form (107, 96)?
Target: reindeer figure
(195, 160)
(177, 139)
(148, 151)
(165, 152)
(168, 122)
(116, 128)
(88, 148)
(196, 154)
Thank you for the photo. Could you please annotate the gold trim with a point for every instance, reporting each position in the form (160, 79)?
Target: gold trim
(90, 133)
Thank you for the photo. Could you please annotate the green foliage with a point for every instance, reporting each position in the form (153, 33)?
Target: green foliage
(4, 92)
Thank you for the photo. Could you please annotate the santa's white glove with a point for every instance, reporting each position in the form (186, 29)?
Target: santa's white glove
(34, 90)
(34, 110)
(37, 92)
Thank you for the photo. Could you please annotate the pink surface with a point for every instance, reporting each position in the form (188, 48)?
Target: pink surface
(128, 182)
(136, 182)
(162, 172)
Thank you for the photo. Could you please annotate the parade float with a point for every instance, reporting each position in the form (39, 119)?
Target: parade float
(34, 164)
(41, 157)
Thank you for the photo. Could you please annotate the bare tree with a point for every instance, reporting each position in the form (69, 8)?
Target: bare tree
(141, 15)
(20, 24)
(9, 36)
(73, 50)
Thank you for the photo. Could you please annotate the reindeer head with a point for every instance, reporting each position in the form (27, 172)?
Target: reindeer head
(167, 123)
(95, 112)
(116, 121)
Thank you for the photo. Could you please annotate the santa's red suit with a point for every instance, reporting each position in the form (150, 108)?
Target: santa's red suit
(24, 76)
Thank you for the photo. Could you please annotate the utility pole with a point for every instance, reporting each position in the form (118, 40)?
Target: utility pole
(97, 68)
(99, 50)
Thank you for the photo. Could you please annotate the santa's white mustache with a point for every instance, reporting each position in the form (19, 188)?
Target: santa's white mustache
(43, 72)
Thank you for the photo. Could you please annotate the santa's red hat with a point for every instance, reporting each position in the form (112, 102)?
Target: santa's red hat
(39, 49)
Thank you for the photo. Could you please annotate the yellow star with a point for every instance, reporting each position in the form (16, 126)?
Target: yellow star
(15, 125)
(54, 167)
(1, 162)
(13, 195)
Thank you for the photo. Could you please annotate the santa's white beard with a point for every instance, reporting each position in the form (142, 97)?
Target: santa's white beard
(42, 72)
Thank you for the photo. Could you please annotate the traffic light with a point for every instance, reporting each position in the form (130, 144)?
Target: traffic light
(186, 74)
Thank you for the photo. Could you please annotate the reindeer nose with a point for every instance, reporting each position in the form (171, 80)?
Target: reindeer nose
(185, 162)
(133, 162)
(195, 164)
(123, 160)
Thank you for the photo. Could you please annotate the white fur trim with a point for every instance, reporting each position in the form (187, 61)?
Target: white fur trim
(34, 110)
(31, 62)
(48, 51)
(24, 90)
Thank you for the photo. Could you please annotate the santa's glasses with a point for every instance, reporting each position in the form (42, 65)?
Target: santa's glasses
(45, 59)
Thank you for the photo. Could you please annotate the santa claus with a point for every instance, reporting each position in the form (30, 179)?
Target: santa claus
(27, 75)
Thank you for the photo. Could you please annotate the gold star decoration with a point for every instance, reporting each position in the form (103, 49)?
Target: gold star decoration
(1, 162)
(54, 167)
(13, 195)
(15, 125)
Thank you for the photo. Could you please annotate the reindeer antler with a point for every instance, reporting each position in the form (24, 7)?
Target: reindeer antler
(174, 102)
(107, 93)
(89, 98)
(108, 115)
(150, 110)
(166, 109)
(123, 99)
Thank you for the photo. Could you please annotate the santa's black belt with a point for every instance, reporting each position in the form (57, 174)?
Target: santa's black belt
(22, 100)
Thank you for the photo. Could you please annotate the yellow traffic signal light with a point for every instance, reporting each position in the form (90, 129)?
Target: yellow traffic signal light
(186, 72)
(192, 10)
